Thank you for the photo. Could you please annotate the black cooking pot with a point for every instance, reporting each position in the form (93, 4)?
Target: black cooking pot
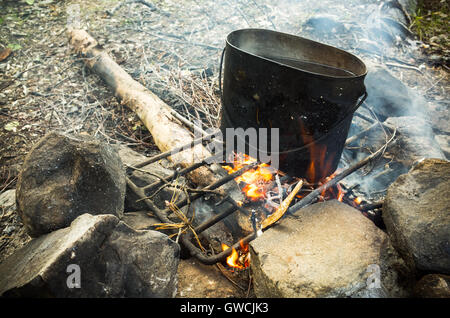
(306, 89)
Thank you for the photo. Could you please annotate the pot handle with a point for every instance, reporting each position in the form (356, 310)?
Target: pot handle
(220, 72)
(363, 98)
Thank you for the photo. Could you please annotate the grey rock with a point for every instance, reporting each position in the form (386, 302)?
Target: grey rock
(139, 220)
(416, 214)
(65, 176)
(140, 263)
(444, 143)
(439, 117)
(389, 97)
(327, 250)
(416, 140)
(14, 233)
(433, 286)
(7, 202)
(112, 260)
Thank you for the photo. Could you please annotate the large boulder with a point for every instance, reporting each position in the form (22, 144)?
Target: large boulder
(65, 176)
(327, 250)
(415, 141)
(97, 256)
(416, 212)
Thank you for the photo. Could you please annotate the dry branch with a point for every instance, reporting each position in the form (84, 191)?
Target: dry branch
(154, 113)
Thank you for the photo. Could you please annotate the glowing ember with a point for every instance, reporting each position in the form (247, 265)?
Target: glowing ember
(341, 192)
(239, 260)
(254, 179)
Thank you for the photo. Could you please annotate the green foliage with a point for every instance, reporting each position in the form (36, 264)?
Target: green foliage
(14, 46)
(431, 22)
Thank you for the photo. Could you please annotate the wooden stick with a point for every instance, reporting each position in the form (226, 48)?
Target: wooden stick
(154, 113)
(281, 210)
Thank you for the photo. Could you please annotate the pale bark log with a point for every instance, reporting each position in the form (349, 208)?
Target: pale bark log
(154, 113)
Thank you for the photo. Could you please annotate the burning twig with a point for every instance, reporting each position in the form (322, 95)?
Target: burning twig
(281, 210)
(371, 206)
(226, 275)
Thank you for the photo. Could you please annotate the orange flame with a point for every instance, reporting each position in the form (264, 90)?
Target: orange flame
(253, 178)
(341, 192)
(241, 259)
(318, 153)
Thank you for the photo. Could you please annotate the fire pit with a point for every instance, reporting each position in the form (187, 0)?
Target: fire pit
(266, 189)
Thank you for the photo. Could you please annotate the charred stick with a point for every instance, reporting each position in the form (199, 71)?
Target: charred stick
(360, 134)
(371, 206)
(210, 260)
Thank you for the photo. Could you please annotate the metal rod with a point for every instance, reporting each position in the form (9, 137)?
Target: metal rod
(174, 175)
(173, 151)
(140, 193)
(211, 260)
(216, 184)
(229, 209)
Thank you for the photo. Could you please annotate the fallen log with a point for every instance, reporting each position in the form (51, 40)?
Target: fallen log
(156, 115)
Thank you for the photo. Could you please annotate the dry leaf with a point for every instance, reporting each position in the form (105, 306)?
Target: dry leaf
(5, 53)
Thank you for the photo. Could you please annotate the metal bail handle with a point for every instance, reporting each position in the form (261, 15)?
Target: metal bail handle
(362, 100)
(220, 74)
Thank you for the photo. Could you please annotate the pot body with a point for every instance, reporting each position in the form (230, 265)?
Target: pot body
(308, 90)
